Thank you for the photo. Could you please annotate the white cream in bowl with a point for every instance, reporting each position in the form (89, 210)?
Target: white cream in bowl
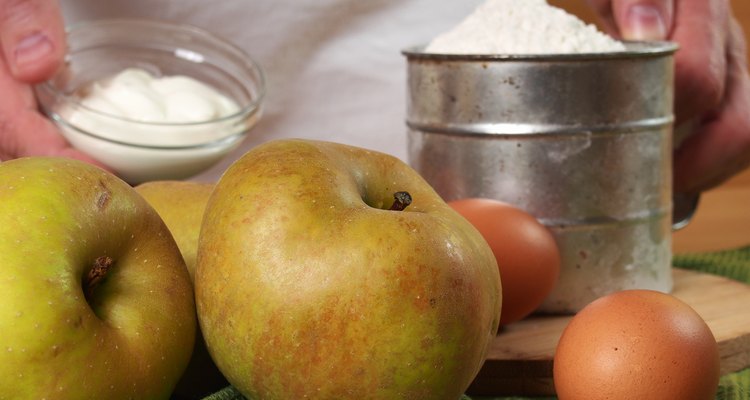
(151, 99)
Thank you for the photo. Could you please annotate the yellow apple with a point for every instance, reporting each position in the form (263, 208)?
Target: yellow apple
(181, 204)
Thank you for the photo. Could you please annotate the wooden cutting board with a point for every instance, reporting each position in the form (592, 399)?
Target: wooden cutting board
(520, 358)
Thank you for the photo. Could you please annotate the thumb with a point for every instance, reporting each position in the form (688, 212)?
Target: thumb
(643, 19)
(32, 33)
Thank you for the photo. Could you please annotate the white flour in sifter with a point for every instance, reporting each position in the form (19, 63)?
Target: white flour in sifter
(522, 27)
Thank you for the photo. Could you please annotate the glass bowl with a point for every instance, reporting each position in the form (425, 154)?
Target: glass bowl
(140, 151)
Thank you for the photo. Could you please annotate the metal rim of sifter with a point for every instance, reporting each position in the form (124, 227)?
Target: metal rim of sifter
(633, 49)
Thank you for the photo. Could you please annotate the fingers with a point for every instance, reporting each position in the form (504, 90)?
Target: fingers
(32, 40)
(721, 145)
(636, 19)
(24, 131)
(701, 29)
(32, 33)
(698, 26)
(712, 88)
(31, 134)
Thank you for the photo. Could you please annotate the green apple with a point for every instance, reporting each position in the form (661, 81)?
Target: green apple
(314, 282)
(97, 302)
(181, 204)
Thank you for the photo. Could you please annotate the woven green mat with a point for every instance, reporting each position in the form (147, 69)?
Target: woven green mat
(734, 264)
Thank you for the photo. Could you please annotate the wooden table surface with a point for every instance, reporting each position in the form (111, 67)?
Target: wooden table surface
(722, 220)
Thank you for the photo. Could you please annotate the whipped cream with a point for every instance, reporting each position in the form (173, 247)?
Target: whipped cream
(137, 95)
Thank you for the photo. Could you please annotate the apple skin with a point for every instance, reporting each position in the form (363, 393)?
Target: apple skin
(132, 335)
(307, 286)
(181, 204)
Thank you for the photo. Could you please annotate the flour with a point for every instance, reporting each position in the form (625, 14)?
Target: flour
(522, 27)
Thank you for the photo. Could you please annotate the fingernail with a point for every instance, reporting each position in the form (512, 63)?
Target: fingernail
(645, 23)
(31, 50)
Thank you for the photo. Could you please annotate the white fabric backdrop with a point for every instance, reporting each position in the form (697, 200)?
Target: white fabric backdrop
(334, 67)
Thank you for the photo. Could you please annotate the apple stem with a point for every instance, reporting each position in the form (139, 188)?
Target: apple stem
(96, 274)
(401, 201)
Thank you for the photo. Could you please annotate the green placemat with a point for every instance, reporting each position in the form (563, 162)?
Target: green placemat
(734, 264)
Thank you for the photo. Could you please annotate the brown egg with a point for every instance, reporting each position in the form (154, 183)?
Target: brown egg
(526, 253)
(637, 344)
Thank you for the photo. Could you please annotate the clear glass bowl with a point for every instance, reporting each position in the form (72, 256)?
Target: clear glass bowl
(144, 151)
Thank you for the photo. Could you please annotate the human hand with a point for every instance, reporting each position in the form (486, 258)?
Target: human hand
(712, 86)
(32, 37)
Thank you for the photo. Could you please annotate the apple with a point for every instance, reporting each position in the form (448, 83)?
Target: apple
(97, 302)
(327, 271)
(181, 204)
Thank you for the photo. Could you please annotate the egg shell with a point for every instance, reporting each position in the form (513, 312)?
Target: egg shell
(637, 344)
(526, 252)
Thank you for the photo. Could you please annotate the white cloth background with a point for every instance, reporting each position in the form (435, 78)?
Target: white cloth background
(334, 67)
